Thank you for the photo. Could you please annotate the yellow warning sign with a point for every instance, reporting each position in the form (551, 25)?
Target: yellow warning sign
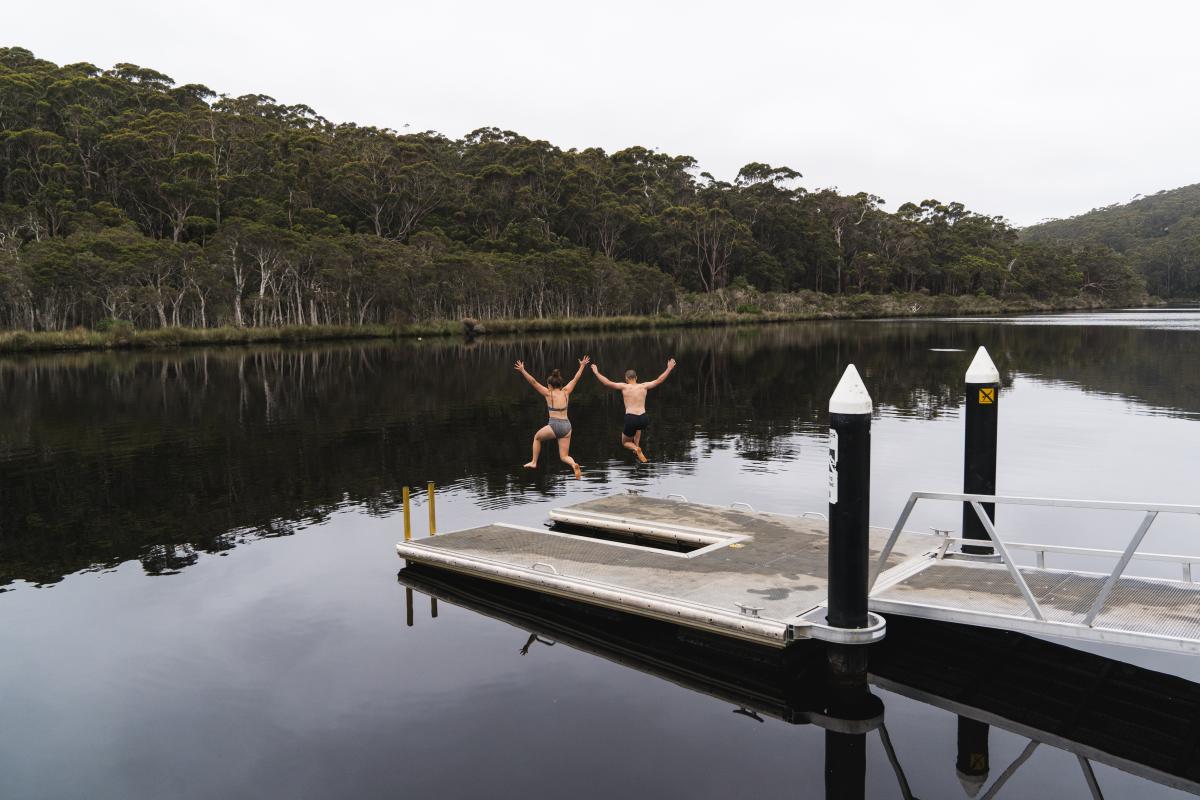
(987, 396)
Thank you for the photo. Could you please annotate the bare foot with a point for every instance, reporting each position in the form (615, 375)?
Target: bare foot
(578, 471)
(641, 456)
(530, 465)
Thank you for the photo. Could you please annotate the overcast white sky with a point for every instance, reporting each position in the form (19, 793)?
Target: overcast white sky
(1024, 109)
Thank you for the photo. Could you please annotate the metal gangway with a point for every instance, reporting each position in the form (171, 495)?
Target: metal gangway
(956, 582)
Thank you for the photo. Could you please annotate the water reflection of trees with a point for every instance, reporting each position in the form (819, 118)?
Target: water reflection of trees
(107, 457)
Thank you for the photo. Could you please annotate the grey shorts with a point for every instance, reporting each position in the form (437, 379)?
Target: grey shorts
(561, 427)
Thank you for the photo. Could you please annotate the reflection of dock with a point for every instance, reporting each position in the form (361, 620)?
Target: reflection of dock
(763, 577)
(1102, 711)
(743, 573)
(1133, 719)
(761, 682)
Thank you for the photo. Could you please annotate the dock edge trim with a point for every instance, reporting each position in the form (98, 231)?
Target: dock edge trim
(728, 623)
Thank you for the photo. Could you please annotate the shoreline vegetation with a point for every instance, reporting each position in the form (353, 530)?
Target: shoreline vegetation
(138, 212)
(735, 308)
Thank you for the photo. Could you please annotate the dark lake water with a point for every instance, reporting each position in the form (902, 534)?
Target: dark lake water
(199, 594)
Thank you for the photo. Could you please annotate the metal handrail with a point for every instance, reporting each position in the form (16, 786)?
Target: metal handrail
(986, 521)
(1152, 510)
(1058, 502)
(1185, 561)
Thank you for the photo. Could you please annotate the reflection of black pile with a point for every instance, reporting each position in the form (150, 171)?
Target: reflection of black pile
(1137, 720)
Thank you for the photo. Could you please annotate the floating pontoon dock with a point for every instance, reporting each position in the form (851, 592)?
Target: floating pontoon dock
(763, 577)
(750, 575)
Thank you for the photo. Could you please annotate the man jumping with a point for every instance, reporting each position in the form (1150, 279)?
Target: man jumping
(635, 405)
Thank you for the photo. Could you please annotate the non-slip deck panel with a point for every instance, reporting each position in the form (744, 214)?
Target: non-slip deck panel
(781, 569)
(781, 583)
(1136, 605)
(735, 521)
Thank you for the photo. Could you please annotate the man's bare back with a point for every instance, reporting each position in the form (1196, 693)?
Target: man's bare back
(634, 395)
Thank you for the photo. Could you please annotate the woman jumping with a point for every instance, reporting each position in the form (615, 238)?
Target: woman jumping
(558, 427)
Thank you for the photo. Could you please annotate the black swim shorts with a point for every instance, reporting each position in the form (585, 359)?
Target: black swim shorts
(634, 423)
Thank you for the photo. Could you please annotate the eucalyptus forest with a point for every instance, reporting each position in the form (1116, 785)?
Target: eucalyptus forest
(1158, 234)
(125, 197)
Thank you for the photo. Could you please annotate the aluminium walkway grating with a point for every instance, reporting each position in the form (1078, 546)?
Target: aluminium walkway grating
(1149, 612)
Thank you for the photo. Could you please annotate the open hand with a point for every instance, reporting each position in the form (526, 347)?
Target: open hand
(520, 367)
(583, 362)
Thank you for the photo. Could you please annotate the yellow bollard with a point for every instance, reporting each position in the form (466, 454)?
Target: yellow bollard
(407, 518)
(432, 511)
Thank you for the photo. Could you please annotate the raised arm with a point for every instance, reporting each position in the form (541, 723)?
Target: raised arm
(663, 377)
(604, 380)
(542, 390)
(583, 362)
